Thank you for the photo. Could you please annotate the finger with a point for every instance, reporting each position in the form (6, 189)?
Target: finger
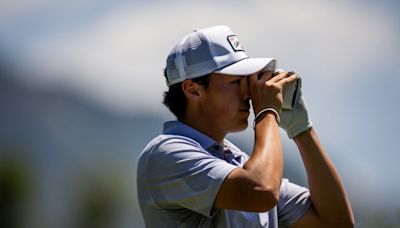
(278, 71)
(278, 77)
(265, 75)
(288, 80)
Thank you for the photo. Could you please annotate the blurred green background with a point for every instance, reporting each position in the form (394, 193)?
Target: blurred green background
(81, 87)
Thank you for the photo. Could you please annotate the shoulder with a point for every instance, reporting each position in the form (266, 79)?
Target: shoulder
(167, 150)
(169, 158)
(170, 144)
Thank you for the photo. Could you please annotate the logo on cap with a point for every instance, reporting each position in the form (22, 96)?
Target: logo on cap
(234, 42)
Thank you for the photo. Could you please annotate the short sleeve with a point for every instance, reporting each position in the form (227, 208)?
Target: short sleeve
(182, 174)
(294, 202)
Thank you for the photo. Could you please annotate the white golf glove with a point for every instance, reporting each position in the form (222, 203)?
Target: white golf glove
(295, 121)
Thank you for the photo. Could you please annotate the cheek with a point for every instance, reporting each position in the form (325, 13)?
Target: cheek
(223, 101)
(225, 106)
(217, 107)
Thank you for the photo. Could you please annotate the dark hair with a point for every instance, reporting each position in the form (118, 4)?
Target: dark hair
(176, 100)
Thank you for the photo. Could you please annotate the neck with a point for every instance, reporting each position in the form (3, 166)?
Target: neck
(204, 126)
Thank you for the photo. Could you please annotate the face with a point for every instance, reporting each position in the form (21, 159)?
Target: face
(226, 102)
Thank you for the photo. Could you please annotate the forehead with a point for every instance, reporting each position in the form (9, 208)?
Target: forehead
(216, 76)
(233, 77)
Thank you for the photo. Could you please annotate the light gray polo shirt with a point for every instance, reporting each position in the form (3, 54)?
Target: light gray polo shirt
(179, 175)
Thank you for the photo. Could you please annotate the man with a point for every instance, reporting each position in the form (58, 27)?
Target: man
(191, 176)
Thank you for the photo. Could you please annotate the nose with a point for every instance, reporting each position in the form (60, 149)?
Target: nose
(245, 89)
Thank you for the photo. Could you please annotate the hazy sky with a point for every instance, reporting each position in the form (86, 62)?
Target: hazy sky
(113, 53)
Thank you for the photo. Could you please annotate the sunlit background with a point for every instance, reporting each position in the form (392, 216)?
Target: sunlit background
(81, 87)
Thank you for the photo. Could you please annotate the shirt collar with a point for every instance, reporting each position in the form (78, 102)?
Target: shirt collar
(178, 128)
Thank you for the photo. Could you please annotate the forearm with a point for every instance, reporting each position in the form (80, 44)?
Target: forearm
(327, 192)
(266, 163)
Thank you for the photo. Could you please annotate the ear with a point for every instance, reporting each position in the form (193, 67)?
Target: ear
(191, 89)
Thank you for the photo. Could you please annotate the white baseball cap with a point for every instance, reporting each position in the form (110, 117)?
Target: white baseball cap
(214, 49)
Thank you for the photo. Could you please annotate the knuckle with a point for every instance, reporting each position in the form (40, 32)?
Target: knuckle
(277, 86)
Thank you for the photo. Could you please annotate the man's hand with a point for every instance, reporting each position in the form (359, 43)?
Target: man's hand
(296, 120)
(266, 90)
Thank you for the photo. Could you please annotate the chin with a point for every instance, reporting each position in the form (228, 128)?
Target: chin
(241, 126)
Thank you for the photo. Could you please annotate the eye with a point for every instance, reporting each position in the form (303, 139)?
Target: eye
(260, 74)
(237, 81)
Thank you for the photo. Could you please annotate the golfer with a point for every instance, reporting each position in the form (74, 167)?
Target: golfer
(192, 176)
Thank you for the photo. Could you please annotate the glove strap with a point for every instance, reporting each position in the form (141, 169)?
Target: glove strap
(277, 117)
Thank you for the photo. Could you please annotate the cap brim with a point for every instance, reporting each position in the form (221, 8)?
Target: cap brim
(248, 66)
